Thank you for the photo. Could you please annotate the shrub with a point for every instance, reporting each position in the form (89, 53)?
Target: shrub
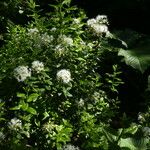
(56, 95)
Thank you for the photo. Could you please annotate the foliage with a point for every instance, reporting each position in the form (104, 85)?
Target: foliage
(52, 95)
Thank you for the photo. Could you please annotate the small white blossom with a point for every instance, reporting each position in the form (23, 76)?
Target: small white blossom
(76, 21)
(21, 11)
(37, 66)
(33, 31)
(141, 117)
(59, 49)
(64, 75)
(81, 103)
(102, 19)
(100, 28)
(146, 131)
(53, 29)
(66, 40)
(90, 22)
(15, 124)
(45, 38)
(99, 25)
(70, 147)
(21, 73)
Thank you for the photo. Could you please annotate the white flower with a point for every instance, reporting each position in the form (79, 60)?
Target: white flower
(53, 29)
(33, 31)
(59, 49)
(45, 38)
(81, 102)
(102, 19)
(100, 28)
(37, 66)
(146, 131)
(15, 124)
(70, 147)
(141, 117)
(66, 40)
(64, 75)
(21, 11)
(21, 73)
(99, 25)
(76, 21)
(90, 22)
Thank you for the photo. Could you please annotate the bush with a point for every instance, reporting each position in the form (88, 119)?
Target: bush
(52, 94)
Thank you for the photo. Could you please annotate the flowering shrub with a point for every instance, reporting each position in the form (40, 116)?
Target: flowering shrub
(58, 97)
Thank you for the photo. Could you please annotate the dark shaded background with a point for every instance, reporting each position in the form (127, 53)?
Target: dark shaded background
(134, 14)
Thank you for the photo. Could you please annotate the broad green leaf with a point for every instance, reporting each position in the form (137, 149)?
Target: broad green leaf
(132, 130)
(138, 58)
(127, 143)
(32, 97)
(31, 110)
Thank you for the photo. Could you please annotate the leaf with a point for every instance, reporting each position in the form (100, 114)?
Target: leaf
(110, 137)
(32, 97)
(80, 59)
(45, 115)
(31, 110)
(21, 95)
(67, 2)
(138, 58)
(127, 143)
(16, 108)
(24, 106)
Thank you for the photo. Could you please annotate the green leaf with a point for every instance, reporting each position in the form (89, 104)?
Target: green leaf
(31, 110)
(24, 106)
(45, 115)
(127, 143)
(67, 2)
(138, 58)
(16, 107)
(21, 95)
(32, 97)
(110, 137)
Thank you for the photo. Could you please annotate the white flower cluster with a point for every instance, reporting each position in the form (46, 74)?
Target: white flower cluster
(66, 40)
(99, 25)
(70, 147)
(21, 73)
(59, 49)
(146, 131)
(53, 29)
(15, 124)
(33, 31)
(64, 76)
(45, 38)
(37, 66)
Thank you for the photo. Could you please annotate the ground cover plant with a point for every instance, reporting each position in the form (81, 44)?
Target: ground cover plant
(55, 92)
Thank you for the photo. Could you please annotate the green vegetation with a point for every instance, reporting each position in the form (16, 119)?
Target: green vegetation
(60, 80)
